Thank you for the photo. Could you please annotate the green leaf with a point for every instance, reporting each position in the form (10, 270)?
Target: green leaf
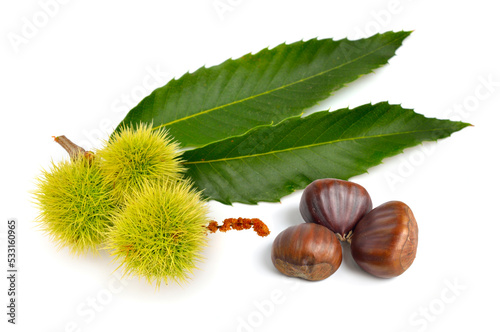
(259, 89)
(270, 162)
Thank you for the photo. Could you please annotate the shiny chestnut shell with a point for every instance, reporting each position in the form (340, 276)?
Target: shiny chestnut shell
(307, 251)
(385, 241)
(335, 204)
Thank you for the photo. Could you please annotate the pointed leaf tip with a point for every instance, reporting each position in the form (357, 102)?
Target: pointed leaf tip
(270, 162)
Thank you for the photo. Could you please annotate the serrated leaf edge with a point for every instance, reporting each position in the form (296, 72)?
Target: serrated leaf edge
(205, 161)
(287, 85)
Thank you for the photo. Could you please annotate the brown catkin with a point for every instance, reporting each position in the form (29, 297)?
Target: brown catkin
(239, 224)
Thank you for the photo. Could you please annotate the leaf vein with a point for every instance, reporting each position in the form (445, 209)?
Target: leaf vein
(309, 146)
(278, 88)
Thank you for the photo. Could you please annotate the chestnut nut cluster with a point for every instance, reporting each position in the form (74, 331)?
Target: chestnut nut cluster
(383, 240)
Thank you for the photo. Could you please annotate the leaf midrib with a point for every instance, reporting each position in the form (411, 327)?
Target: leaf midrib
(275, 89)
(309, 146)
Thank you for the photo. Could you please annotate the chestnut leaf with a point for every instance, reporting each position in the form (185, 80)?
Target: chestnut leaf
(272, 161)
(229, 99)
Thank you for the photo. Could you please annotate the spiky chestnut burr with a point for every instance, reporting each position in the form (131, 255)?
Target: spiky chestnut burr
(158, 204)
(136, 156)
(160, 232)
(75, 202)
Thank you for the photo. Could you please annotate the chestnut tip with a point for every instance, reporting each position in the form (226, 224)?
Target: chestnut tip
(336, 204)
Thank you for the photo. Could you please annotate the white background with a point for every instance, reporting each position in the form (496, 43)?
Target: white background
(83, 68)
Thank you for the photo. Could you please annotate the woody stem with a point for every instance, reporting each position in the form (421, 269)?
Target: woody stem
(73, 150)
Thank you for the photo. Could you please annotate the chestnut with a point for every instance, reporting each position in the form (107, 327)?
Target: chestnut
(335, 204)
(307, 251)
(385, 241)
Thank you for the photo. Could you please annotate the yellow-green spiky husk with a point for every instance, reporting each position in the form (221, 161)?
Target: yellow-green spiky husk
(75, 204)
(160, 233)
(137, 156)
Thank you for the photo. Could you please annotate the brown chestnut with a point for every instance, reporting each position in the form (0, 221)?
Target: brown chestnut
(307, 251)
(385, 241)
(335, 204)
